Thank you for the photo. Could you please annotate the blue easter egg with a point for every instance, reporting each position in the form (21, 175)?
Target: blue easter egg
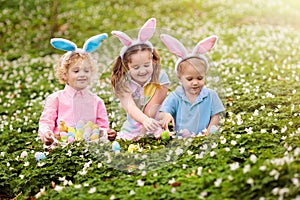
(116, 146)
(70, 133)
(39, 156)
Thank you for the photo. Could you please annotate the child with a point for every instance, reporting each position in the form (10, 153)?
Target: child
(191, 108)
(138, 82)
(75, 102)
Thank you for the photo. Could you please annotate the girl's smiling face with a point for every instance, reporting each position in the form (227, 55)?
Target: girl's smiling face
(140, 67)
(79, 75)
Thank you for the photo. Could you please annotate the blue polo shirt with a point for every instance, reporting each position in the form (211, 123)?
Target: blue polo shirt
(193, 117)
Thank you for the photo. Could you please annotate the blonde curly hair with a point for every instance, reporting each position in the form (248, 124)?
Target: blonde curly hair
(68, 59)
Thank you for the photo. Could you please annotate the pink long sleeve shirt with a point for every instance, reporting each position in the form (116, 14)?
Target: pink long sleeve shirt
(71, 106)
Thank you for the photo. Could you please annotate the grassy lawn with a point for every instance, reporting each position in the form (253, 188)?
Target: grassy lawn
(255, 69)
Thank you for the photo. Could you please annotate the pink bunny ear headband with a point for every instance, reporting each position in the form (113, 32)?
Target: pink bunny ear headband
(89, 46)
(179, 50)
(145, 33)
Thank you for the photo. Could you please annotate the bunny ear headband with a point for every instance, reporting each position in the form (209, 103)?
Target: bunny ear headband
(89, 46)
(145, 33)
(179, 50)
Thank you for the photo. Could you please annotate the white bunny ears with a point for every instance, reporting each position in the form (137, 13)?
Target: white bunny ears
(145, 33)
(90, 45)
(179, 50)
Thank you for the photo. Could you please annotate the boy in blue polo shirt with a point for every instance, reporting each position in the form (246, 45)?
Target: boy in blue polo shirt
(191, 108)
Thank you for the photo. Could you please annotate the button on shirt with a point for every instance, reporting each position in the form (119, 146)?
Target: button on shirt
(71, 106)
(193, 117)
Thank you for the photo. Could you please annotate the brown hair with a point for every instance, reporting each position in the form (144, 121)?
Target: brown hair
(120, 68)
(65, 62)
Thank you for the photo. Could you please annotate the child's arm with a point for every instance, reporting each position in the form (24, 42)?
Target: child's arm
(130, 107)
(165, 119)
(47, 119)
(214, 120)
(154, 104)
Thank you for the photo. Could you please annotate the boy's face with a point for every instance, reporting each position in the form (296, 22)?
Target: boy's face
(192, 76)
(79, 75)
(140, 67)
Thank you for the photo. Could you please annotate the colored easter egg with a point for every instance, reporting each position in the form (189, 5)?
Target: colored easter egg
(132, 148)
(116, 146)
(80, 124)
(94, 136)
(165, 136)
(39, 156)
(70, 139)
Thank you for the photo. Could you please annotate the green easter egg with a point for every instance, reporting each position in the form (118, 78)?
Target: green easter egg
(165, 136)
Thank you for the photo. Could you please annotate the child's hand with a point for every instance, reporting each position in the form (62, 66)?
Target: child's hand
(167, 118)
(150, 124)
(111, 134)
(47, 138)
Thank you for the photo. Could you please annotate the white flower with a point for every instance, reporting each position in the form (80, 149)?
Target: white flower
(262, 168)
(26, 164)
(62, 178)
(249, 130)
(77, 186)
(69, 153)
(250, 181)
(227, 149)
(2, 154)
(214, 145)
(284, 191)
(142, 166)
(238, 136)
(253, 158)
(218, 182)
(99, 165)
(295, 181)
(172, 181)
(223, 141)
(178, 151)
(155, 174)
(132, 192)
(21, 176)
(183, 166)
(234, 166)
(92, 190)
(297, 152)
(112, 197)
(203, 195)
(173, 190)
(263, 130)
(41, 164)
(86, 184)
(168, 158)
(190, 152)
(23, 154)
(255, 113)
(242, 150)
(233, 142)
(140, 183)
(230, 178)
(275, 173)
(212, 153)
(246, 169)
(199, 171)
(58, 188)
(275, 191)
(283, 129)
(144, 173)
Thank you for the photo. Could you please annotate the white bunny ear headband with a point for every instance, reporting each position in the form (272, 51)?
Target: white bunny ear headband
(179, 50)
(145, 33)
(89, 46)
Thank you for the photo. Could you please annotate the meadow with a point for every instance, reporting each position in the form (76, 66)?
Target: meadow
(255, 68)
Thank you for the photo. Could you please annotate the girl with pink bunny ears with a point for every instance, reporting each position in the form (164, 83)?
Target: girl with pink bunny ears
(75, 102)
(138, 82)
(191, 108)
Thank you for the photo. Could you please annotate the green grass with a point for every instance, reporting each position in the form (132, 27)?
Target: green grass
(255, 70)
